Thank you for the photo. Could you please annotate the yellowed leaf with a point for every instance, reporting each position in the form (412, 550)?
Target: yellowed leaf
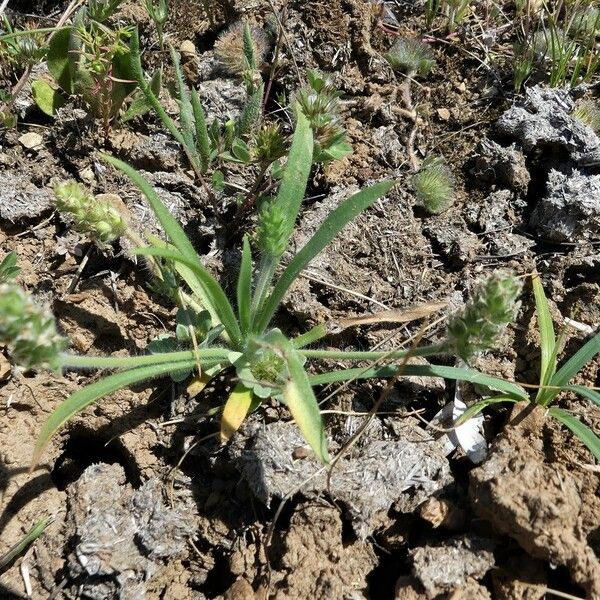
(234, 412)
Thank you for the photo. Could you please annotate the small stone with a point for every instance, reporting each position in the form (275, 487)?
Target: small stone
(187, 48)
(31, 140)
(87, 175)
(462, 87)
(443, 114)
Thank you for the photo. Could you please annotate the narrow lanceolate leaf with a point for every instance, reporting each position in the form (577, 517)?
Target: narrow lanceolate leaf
(170, 225)
(202, 137)
(300, 398)
(138, 74)
(510, 389)
(34, 533)
(236, 408)
(585, 392)
(301, 402)
(82, 398)
(244, 287)
(583, 432)
(332, 225)
(583, 356)
(186, 115)
(547, 335)
(215, 296)
(295, 176)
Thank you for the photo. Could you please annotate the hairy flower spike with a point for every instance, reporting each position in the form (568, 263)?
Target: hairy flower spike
(232, 49)
(272, 240)
(478, 325)
(411, 55)
(434, 185)
(319, 102)
(588, 112)
(269, 143)
(28, 330)
(96, 218)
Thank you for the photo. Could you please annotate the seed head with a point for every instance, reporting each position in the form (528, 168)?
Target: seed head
(410, 55)
(272, 229)
(588, 112)
(28, 330)
(319, 102)
(478, 325)
(269, 143)
(97, 218)
(434, 185)
(242, 48)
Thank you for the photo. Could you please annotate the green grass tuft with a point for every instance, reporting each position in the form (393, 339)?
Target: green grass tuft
(434, 186)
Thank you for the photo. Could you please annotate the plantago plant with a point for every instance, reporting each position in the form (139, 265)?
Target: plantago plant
(235, 335)
(553, 380)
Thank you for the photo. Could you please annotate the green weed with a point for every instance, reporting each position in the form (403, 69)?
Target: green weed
(226, 335)
(553, 381)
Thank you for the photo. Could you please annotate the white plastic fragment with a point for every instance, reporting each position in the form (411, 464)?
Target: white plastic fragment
(468, 435)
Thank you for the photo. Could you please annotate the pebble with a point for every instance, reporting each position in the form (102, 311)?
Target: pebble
(187, 48)
(443, 114)
(31, 140)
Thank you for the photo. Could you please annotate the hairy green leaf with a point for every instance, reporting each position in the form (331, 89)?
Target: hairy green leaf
(332, 225)
(82, 398)
(510, 389)
(583, 432)
(48, 99)
(244, 287)
(215, 295)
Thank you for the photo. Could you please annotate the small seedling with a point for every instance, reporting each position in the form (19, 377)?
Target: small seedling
(91, 60)
(319, 102)
(433, 185)
(553, 380)
(410, 55)
(413, 57)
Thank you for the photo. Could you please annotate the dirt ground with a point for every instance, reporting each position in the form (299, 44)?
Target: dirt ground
(147, 504)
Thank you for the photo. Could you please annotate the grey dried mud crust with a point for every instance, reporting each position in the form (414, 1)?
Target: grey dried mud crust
(549, 507)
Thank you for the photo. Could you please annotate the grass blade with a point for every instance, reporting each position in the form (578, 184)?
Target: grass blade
(27, 539)
(476, 408)
(583, 432)
(171, 227)
(547, 336)
(138, 74)
(585, 392)
(216, 297)
(332, 225)
(512, 390)
(583, 356)
(132, 362)
(235, 410)
(82, 398)
(244, 287)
